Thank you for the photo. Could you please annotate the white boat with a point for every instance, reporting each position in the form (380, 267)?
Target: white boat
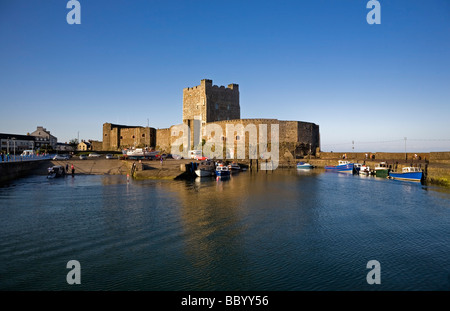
(205, 168)
(364, 170)
(304, 165)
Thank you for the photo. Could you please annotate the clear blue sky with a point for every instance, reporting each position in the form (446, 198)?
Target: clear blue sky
(315, 60)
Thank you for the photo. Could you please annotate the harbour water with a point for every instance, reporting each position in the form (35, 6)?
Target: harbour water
(277, 231)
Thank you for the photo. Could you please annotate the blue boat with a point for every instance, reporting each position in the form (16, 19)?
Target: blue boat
(304, 165)
(222, 170)
(342, 167)
(408, 173)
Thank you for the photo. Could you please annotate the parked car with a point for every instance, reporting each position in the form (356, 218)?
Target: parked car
(61, 157)
(110, 156)
(94, 155)
(83, 157)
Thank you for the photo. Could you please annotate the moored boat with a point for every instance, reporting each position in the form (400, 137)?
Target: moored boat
(364, 170)
(304, 165)
(408, 173)
(234, 167)
(56, 171)
(205, 168)
(382, 170)
(222, 170)
(342, 167)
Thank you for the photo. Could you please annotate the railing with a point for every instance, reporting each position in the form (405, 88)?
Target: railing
(22, 158)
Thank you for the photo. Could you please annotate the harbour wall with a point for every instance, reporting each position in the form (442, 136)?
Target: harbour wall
(13, 170)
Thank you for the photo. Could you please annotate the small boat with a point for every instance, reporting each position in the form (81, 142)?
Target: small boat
(234, 167)
(409, 173)
(342, 167)
(382, 170)
(303, 165)
(364, 170)
(222, 170)
(56, 171)
(205, 168)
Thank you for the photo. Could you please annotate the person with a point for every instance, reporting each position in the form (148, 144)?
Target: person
(161, 159)
(1, 156)
(67, 167)
(73, 170)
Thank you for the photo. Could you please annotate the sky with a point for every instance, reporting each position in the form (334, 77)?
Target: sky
(366, 86)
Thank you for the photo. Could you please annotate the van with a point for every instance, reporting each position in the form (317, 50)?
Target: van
(27, 153)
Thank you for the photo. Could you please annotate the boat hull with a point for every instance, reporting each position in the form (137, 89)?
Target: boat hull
(382, 173)
(204, 173)
(410, 176)
(346, 168)
(222, 173)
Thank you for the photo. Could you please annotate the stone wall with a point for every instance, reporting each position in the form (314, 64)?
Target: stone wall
(117, 137)
(163, 140)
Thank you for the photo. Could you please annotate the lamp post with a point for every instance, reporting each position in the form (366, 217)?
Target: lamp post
(406, 155)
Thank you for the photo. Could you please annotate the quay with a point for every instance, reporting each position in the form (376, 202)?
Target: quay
(436, 165)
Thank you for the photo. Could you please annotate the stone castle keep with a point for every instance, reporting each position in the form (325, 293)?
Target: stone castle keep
(210, 104)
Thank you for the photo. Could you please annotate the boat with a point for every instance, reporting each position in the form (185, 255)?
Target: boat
(234, 167)
(222, 170)
(364, 170)
(56, 171)
(304, 165)
(342, 167)
(382, 170)
(409, 173)
(205, 168)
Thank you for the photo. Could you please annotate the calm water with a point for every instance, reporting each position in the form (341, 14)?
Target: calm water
(278, 231)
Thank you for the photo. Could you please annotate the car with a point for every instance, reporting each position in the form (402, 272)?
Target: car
(109, 156)
(83, 157)
(61, 157)
(94, 155)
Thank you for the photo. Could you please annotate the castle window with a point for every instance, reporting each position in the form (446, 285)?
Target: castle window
(143, 135)
(121, 137)
(106, 135)
(133, 136)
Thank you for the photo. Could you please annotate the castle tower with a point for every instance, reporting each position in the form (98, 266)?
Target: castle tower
(207, 103)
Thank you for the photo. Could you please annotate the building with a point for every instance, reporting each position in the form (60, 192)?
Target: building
(84, 146)
(15, 144)
(63, 147)
(118, 137)
(44, 138)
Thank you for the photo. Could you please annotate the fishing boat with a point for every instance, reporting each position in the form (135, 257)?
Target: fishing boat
(342, 167)
(364, 170)
(205, 168)
(234, 167)
(381, 170)
(357, 167)
(222, 170)
(56, 171)
(409, 173)
(304, 165)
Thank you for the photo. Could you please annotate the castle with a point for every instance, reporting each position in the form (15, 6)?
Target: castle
(206, 104)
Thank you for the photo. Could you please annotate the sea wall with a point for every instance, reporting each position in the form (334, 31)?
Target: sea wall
(14, 170)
